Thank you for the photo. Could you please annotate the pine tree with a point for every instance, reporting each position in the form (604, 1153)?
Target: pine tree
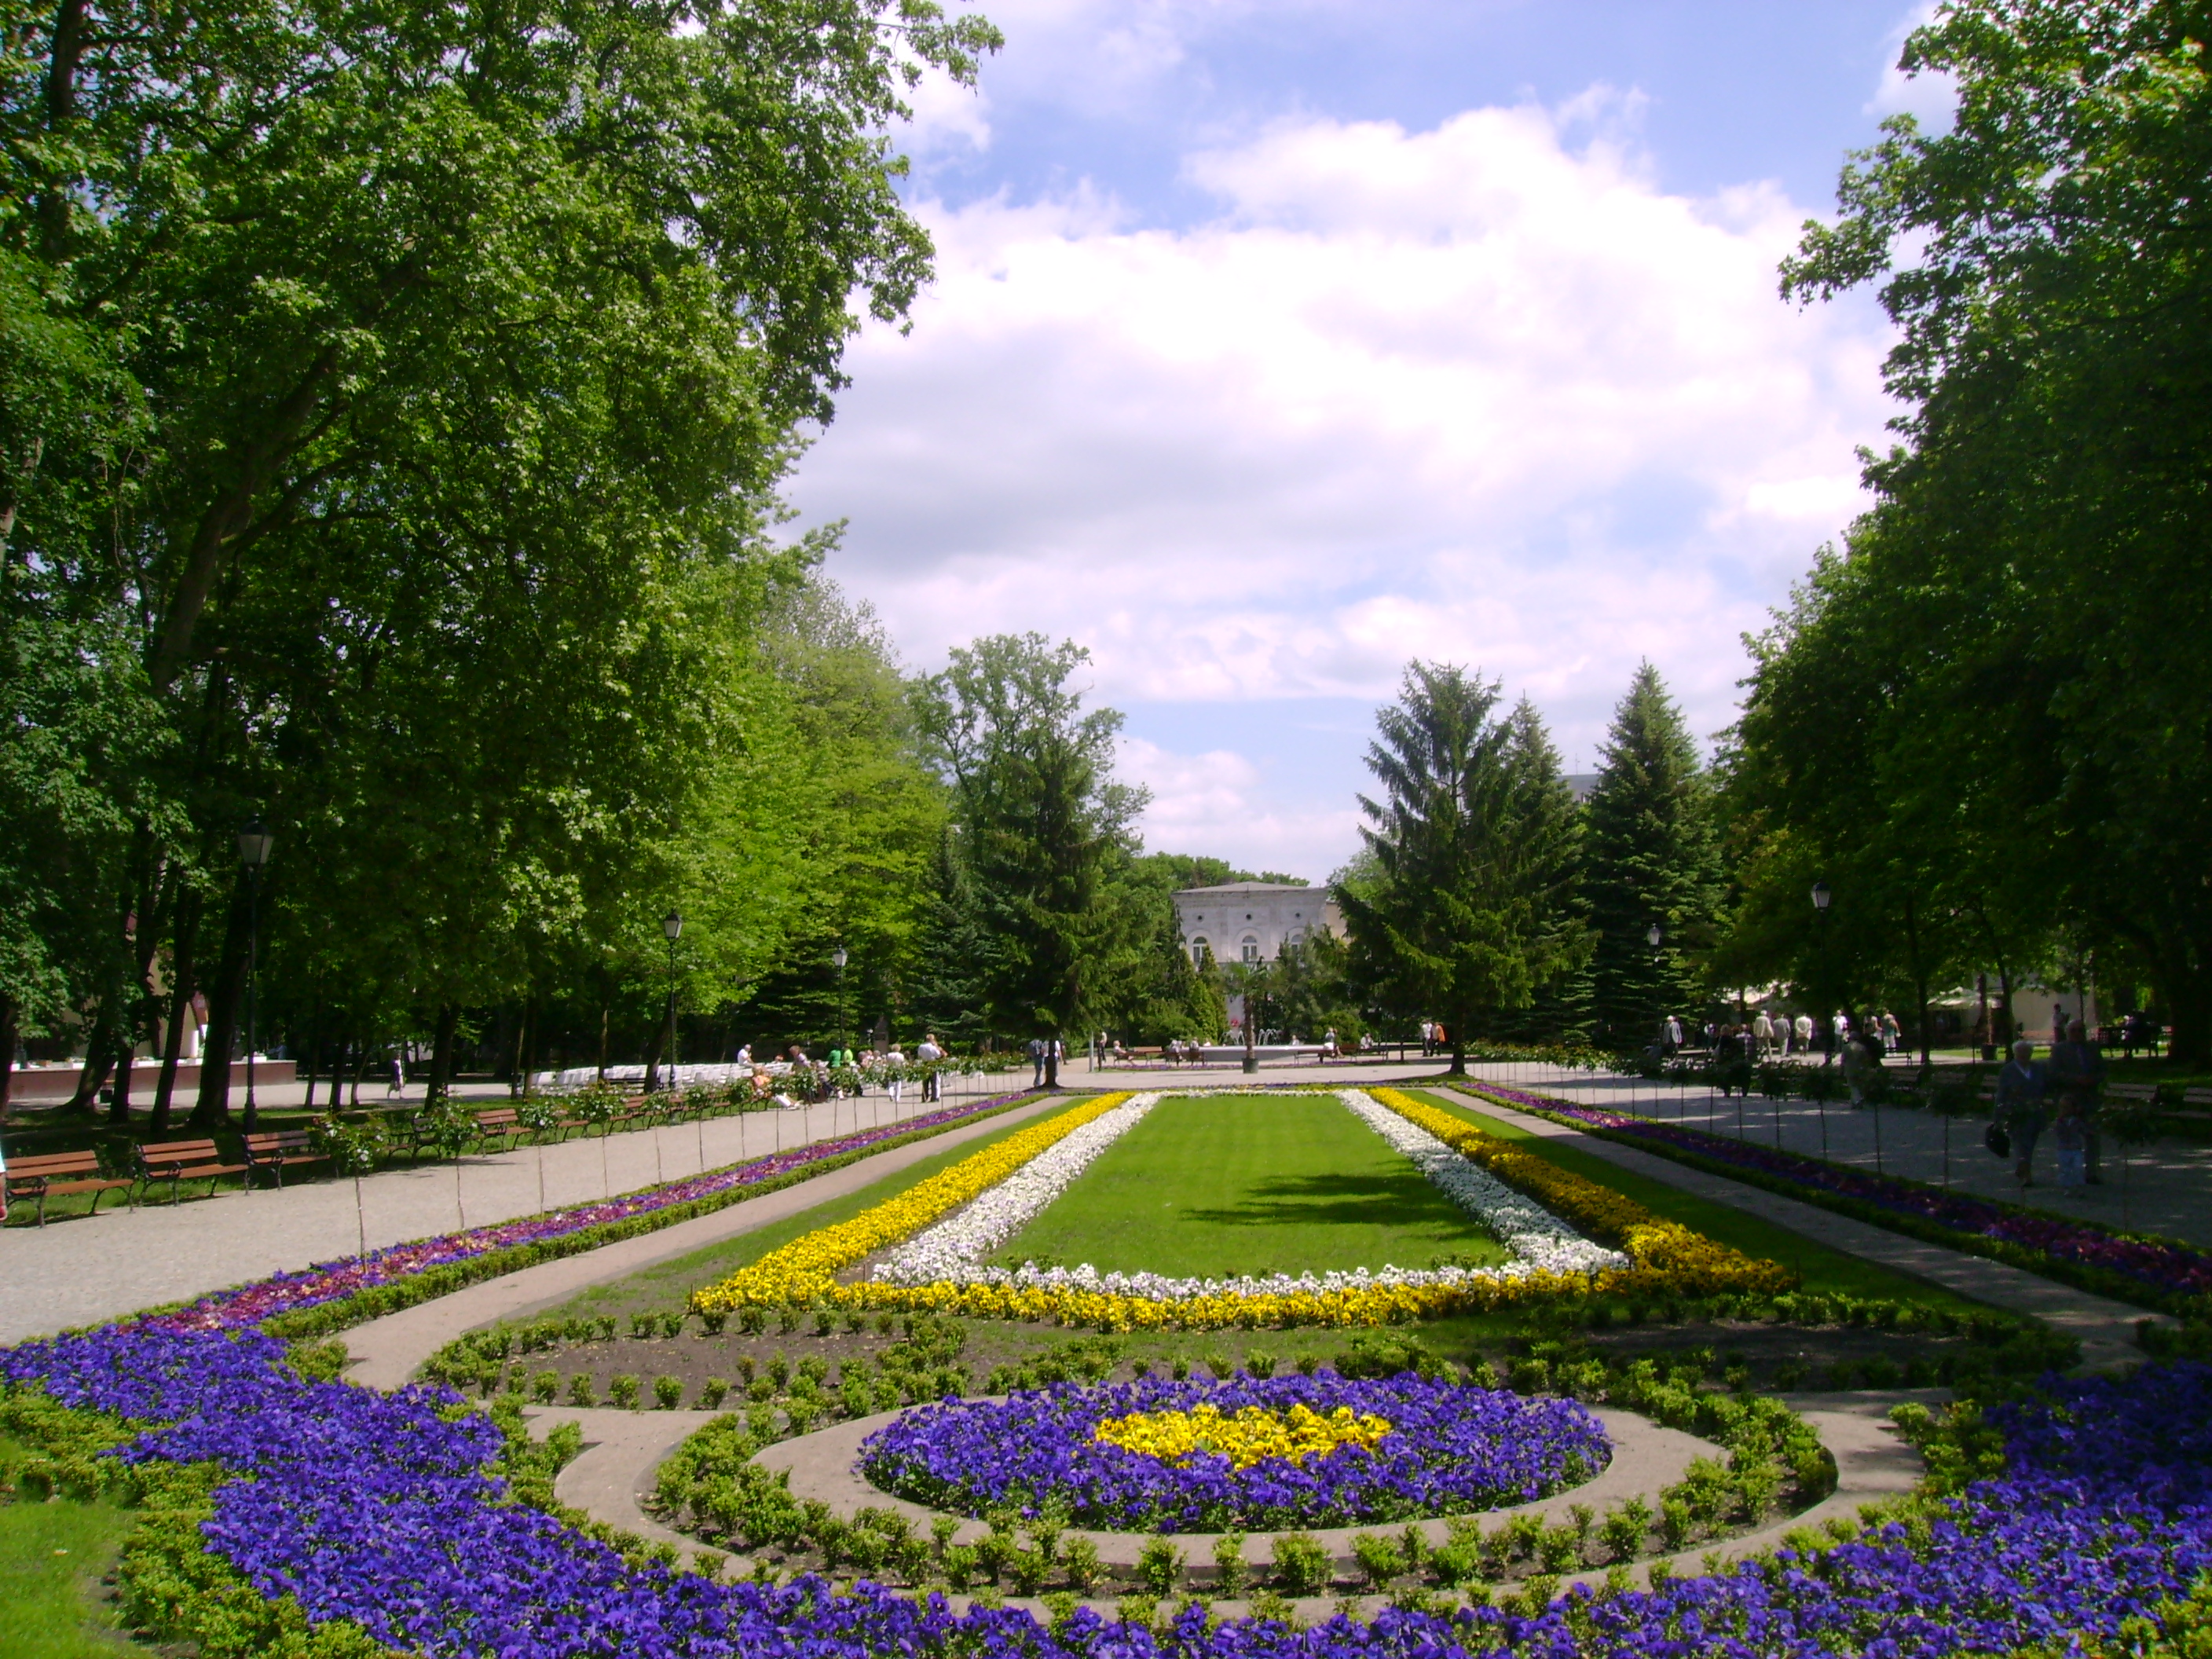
(1654, 856)
(1552, 834)
(1467, 914)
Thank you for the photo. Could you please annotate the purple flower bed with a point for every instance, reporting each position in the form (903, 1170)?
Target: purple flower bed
(1451, 1450)
(288, 1292)
(377, 1508)
(2171, 1269)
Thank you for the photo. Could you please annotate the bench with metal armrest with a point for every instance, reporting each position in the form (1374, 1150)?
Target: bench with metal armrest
(180, 1161)
(281, 1148)
(53, 1174)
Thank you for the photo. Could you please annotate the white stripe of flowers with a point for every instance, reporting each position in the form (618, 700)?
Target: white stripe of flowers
(1522, 1226)
(952, 1252)
(961, 1241)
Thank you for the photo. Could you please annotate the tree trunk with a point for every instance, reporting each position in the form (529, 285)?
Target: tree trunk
(1459, 1052)
(1052, 1062)
(442, 1054)
(225, 995)
(602, 1042)
(8, 1022)
(653, 1057)
(181, 1011)
(98, 1055)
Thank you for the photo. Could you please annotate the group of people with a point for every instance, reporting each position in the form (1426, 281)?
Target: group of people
(2060, 1094)
(1766, 1034)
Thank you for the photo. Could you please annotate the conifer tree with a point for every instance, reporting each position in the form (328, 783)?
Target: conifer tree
(1654, 856)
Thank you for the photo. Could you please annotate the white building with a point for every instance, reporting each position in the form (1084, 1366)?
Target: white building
(1252, 921)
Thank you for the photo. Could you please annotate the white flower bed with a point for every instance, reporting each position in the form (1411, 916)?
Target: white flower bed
(1523, 1226)
(950, 1250)
(953, 1252)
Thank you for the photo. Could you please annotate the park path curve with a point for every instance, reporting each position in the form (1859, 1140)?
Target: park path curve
(385, 1351)
(2105, 1328)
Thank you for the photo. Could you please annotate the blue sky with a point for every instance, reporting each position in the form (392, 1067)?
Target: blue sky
(1273, 345)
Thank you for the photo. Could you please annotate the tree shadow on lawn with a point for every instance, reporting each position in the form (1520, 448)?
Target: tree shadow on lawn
(1338, 1200)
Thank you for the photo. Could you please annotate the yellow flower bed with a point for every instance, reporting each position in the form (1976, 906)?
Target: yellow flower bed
(1669, 1258)
(1692, 1264)
(1251, 1435)
(805, 1270)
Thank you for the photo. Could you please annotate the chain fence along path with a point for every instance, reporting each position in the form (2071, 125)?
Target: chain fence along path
(88, 1268)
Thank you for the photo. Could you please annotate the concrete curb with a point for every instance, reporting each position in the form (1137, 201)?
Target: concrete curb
(625, 1450)
(1645, 1457)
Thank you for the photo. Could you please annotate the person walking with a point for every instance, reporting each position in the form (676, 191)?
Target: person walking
(2021, 1086)
(929, 1053)
(1762, 1035)
(2077, 1078)
(1801, 1029)
(1037, 1062)
(397, 1083)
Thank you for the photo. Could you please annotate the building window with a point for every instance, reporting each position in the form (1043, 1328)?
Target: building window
(1251, 948)
(1198, 951)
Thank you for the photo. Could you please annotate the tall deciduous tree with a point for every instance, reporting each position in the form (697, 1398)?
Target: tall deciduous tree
(1653, 857)
(1469, 911)
(1043, 828)
(2028, 601)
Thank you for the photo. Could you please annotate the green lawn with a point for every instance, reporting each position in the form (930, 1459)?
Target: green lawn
(51, 1558)
(1824, 1270)
(1251, 1184)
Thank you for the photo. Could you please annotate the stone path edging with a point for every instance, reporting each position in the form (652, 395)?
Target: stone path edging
(623, 1452)
(385, 1351)
(1645, 1457)
(2106, 1328)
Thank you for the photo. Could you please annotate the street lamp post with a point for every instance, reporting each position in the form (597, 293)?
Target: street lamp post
(1821, 898)
(672, 928)
(837, 960)
(254, 845)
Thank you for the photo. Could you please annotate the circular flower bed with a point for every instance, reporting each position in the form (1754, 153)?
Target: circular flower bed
(1294, 1451)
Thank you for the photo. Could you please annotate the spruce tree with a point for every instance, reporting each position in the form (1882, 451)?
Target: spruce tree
(1654, 856)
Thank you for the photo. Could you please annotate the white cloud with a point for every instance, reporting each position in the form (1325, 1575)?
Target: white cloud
(1931, 97)
(1475, 393)
(1219, 803)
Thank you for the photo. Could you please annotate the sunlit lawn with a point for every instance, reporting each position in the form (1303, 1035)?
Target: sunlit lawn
(1250, 1184)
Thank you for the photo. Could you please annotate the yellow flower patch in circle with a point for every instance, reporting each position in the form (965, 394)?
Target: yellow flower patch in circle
(1250, 1436)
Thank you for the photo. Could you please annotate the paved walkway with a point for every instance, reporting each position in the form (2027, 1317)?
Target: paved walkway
(2105, 1328)
(85, 1269)
(2164, 1188)
(385, 1351)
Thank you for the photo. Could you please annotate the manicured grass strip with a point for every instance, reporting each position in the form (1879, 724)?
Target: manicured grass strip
(1211, 1187)
(51, 1558)
(1824, 1270)
(666, 1286)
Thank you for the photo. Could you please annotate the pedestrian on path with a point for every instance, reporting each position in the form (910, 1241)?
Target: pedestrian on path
(397, 1083)
(2077, 1078)
(1037, 1062)
(929, 1053)
(2069, 1136)
(1803, 1030)
(2020, 1089)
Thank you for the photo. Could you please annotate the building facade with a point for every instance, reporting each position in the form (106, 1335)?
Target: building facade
(1252, 921)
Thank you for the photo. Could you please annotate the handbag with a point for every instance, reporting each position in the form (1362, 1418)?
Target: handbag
(1997, 1140)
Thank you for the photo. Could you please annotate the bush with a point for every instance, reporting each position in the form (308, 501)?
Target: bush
(1159, 1566)
(1301, 1564)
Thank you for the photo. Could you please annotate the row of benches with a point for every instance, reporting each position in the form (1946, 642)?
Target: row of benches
(56, 1175)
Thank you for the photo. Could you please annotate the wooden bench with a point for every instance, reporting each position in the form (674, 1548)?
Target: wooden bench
(180, 1161)
(2195, 1105)
(502, 1123)
(54, 1174)
(280, 1147)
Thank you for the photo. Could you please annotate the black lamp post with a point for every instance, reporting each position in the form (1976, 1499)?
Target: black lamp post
(671, 926)
(838, 958)
(254, 845)
(1820, 898)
